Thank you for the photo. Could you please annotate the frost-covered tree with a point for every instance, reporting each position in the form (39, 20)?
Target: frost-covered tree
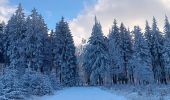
(64, 55)
(156, 52)
(11, 86)
(49, 50)
(54, 80)
(126, 52)
(141, 61)
(35, 42)
(36, 83)
(2, 42)
(114, 51)
(96, 59)
(80, 59)
(48, 59)
(166, 48)
(148, 35)
(15, 30)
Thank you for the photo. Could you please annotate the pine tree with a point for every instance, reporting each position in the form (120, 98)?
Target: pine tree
(48, 54)
(64, 55)
(36, 42)
(2, 42)
(15, 30)
(148, 35)
(141, 59)
(114, 51)
(126, 52)
(166, 48)
(156, 52)
(96, 59)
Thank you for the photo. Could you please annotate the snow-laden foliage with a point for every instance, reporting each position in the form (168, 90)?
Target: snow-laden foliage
(36, 83)
(114, 52)
(11, 86)
(157, 53)
(96, 59)
(148, 35)
(80, 59)
(54, 80)
(166, 48)
(126, 52)
(35, 37)
(141, 61)
(15, 30)
(35, 62)
(2, 42)
(27, 46)
(64, 54)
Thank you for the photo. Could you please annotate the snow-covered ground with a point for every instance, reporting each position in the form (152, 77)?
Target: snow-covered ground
(82, 93)
(153, 92)
(116, 92)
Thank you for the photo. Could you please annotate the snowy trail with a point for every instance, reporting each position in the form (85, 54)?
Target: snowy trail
(83, 93)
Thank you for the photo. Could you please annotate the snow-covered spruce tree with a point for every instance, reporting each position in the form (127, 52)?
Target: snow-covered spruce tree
(96, 59)
(141, 61)
(46, 50)
(157, 54)
(166, 48)
(126, 53)
(114, 51)
(64, 55)
(35, 42)
(15, 30)
(49, 51)
(148, 35)
(2, 42)
(51, 61)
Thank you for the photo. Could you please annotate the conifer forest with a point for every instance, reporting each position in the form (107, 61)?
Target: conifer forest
(36, 62)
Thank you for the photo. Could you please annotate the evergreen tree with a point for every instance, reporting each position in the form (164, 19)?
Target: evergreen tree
(166, 48)
(36, 42)
(156, 52)
(126, 52)
(64, 55)
(148, 35)
(114, 51)
(48, 54)
(2, 42)
(15, 30)
(96, 59)
(141, 59)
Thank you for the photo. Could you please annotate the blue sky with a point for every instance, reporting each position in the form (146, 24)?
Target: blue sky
(52, 10)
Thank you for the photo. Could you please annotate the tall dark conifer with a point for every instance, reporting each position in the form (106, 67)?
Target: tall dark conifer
(64, 51)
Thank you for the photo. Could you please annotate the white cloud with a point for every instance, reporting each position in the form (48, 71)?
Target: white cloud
(131, 12)
(166, 3)
(5, 10)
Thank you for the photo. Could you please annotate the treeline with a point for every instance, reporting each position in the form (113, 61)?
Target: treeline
(126, 57)
(37, 63)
